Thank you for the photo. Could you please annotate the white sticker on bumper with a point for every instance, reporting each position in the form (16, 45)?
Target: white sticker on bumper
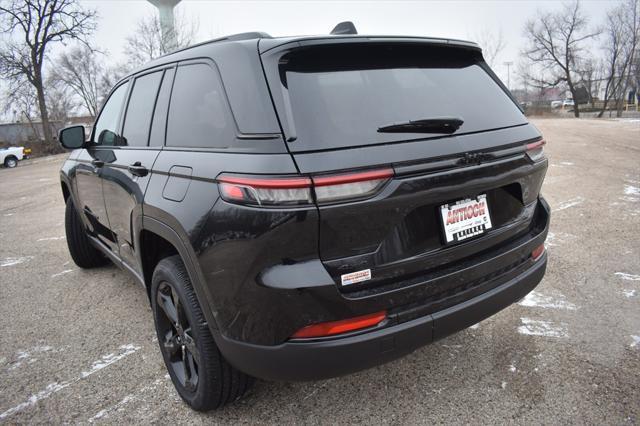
(356, 277)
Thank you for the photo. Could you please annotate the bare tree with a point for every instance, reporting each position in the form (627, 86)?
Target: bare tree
(556, 44)
(83, 71)
(148, 41)
(22, 103)
(590, 74)
(632, 24)
(492, 44)
(620, 46)
(61, 101)
(30, 27)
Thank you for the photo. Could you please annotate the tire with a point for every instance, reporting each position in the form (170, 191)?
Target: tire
(188, 347)
(82, 252)
(10, 162)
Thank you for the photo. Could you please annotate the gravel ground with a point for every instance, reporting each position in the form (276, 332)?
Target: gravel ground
(79, 346)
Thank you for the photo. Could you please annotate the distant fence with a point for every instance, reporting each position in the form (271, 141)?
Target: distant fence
(20, 133)
(12, 134)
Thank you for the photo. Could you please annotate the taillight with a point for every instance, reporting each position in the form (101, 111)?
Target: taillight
(270, 191)
(330, 189)
(535, 150)
(338, 327)
(537, 252)
(266, 191)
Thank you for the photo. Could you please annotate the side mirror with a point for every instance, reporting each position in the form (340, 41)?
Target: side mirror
(72, 137)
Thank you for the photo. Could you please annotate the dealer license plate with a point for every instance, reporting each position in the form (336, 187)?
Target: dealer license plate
(465, 219)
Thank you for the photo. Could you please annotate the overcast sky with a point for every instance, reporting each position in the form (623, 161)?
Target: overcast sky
(455, 19)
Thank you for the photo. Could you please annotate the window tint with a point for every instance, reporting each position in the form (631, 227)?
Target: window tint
(106, 128)
(140, 108)
(199, 115)
(340, 96)
(160, 114)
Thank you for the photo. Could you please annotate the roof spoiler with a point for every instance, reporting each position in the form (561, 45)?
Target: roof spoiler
(345, 27)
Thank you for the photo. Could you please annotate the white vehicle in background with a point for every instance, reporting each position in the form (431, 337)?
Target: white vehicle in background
(9, 157)
(556, 104)
(568, 102)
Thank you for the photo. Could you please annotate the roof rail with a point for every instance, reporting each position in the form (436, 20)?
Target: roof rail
(241, 36)
(345, 27)
(233, 37)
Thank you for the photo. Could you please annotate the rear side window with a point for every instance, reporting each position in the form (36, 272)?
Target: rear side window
(106, 128)
(140, 109)
(199, 115)
(162, 106)
(341, 95)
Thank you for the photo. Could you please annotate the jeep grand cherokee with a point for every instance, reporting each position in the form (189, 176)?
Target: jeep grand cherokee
(304, 207)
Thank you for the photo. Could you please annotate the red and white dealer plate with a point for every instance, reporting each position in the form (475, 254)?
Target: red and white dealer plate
(465, 219)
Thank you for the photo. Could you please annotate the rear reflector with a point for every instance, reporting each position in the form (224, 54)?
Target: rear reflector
(537, 252)
(256, 190)
(535, 150)
(338, 327)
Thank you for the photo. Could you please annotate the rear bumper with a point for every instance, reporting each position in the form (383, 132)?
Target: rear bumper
(313, 360)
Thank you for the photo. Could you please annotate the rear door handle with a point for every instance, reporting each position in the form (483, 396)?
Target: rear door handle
(137, 169)
(97, 163)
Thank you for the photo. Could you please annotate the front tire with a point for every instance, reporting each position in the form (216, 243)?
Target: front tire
(10, 162)
(82, 252)
(199, 372)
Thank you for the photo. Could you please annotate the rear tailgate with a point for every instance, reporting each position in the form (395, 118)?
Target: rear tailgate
(332, 98)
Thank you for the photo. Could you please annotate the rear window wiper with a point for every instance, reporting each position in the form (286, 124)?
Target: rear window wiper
(428, 125)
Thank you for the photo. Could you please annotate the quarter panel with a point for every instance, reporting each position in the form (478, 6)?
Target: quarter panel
(200, 226)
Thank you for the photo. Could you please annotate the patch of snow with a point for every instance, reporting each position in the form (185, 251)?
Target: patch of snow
(131, 397)
(504, 385)
(33, 399)
(569, 203)
(541, 328)
(54, 387)
(566, 163)
(556, 238)
(109, 359)
(11, 261)
(636, 341)
(25, 356)
(631, 190)
(628, 277)
(629, 293)
(512, 368)
(539, 300)
(51, 238)
(66, 271)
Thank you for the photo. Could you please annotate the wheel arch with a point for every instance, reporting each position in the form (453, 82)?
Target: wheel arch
(158, 240)
(66, 192)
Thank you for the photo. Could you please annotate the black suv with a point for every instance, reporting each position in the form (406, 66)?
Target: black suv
(304, 207)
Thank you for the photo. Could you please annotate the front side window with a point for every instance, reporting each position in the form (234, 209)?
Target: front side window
(199, 115)
(106, 128)
(140, 109)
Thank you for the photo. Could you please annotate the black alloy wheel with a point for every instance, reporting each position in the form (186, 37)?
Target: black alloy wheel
(202, 376)
(178, 343)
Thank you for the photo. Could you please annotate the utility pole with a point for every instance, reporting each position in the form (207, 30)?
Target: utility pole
(508, 64)
(165, 9)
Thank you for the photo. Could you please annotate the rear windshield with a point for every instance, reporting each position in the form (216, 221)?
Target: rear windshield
(341, 95)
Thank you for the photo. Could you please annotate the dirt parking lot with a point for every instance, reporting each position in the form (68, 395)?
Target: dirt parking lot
(79, 346)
